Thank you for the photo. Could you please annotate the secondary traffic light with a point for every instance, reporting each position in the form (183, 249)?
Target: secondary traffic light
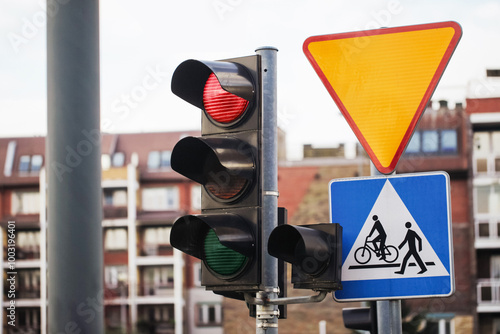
(315, 252)
(226, 162)
(362, 318)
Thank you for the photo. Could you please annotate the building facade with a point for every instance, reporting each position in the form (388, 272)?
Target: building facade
(149, 287)
(483, 108)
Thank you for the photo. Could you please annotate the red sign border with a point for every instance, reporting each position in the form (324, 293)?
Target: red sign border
(425, 99)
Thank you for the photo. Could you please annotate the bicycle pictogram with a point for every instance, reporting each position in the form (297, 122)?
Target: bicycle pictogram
(387, 253)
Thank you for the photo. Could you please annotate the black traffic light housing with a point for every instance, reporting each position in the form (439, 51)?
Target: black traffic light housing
(226, 161)
(361, 318)
(315, 252)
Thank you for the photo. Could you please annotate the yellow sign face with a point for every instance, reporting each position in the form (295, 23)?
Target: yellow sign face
(383, 79)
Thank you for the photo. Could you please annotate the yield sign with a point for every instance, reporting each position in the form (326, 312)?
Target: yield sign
(382, 80)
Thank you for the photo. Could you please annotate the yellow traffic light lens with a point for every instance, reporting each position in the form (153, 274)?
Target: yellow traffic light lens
(220, 105)
(222, 260)
(224, 185)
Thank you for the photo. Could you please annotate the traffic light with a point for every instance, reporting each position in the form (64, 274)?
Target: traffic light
(315, 252)
(362, 318)
(225, 160)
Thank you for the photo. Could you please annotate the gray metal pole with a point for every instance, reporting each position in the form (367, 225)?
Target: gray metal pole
(267, 315)
(75, 251)
(388, 311)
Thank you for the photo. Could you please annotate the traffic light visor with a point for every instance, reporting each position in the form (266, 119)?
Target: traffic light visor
(189, 233)
(223, 165)
(302, 246)
(224, 90)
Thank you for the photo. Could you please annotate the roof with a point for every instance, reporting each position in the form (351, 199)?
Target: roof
(141, 144)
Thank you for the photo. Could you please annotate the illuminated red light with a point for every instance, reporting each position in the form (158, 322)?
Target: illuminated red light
(222, 106)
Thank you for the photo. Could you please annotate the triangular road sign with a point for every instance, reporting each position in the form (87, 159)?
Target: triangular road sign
(383, 79)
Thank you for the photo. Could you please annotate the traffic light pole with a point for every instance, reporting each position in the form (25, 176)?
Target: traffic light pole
(267, 315)
(388, 311)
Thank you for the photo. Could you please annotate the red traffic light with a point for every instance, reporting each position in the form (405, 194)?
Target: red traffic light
(222, 106)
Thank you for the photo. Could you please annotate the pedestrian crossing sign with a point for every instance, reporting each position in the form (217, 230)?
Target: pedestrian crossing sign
(397, 238)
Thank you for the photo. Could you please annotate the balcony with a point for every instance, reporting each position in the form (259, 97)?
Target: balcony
(488, 295)
(149, 249)
(114, 212)
(157, 290)
(487, 232)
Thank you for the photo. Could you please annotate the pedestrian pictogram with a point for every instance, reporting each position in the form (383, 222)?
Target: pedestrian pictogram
(383, 79)
(412, 239)
(397, 239)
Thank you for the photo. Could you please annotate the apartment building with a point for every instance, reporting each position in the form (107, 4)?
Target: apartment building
(483, 108)
(441, 143)
(148, 285)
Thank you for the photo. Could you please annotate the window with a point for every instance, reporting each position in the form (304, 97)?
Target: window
(158, 280)
(165, 159)
(154, 160)
(486, 152)
(28, 243)
(209, 314)
(443, 142)
(30, 164)
(449, 141)
(430, 141)
(36, 163)
(25, 202)
(24, 163)
(114, 275)
(487, 199)
(197, 274)
(157, 159)
(196, 197)
(115, 239)
(162, 198)
(115, 197)
(118, 159)
(105, 161)
(414, 145)
(157, 235)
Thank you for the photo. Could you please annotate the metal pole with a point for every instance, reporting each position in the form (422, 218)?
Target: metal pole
(267, 315)
(75, 251)
(43, 251)
(388, 311)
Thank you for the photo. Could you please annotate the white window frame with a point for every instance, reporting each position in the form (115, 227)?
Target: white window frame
(160, 198)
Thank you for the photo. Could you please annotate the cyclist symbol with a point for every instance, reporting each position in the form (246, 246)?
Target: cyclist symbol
(387, 253)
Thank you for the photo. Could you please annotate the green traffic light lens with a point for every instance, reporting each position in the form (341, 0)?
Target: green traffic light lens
(222, 260)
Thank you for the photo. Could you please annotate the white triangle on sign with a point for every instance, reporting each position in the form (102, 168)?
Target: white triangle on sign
(363, 264)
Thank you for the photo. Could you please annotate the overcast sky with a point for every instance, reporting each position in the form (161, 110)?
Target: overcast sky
(149, 38)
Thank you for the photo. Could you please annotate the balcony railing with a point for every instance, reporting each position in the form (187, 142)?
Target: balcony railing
(155, 250)
(116, 291)
(162, 290)
(487, 232)
(110, 212)
(488, 292)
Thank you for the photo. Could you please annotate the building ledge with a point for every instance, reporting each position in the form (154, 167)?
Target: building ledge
(487, 243)
(154, 260)
(488, 308)
(156, 300)
(24, 264)
(24, 302)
